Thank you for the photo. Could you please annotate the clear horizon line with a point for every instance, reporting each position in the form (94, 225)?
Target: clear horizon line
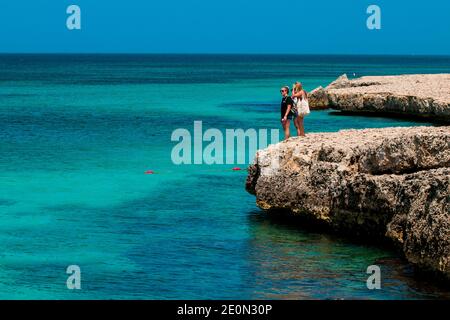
(229, 53)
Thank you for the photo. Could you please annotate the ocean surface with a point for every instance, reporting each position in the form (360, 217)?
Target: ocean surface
(78, 133)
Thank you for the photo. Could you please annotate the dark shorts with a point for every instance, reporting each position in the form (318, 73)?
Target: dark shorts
(292, 116)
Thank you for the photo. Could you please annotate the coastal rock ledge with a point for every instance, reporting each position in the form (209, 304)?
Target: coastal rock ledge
(419, 95)
(390, 184)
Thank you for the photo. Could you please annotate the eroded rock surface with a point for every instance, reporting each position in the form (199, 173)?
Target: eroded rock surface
(390, 183)
(422, 95)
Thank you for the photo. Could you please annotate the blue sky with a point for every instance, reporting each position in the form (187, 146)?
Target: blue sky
(227, 26)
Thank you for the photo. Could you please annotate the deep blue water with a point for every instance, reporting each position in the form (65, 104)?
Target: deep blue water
(77, 134)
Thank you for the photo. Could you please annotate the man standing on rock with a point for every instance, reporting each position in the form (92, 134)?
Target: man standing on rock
(287, 114)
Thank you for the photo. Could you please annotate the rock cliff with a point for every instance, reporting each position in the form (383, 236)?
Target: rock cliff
(420, 95)
(391, 183)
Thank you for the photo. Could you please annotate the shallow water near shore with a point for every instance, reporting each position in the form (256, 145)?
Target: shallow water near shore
(79, 131)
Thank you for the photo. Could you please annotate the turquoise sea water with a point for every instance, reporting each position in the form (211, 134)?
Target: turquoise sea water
(77, 134)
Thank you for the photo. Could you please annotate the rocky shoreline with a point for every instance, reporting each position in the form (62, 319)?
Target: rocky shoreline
(391, 184)
(419, 95)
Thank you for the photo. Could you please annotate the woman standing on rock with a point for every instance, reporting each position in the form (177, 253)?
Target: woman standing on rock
(300, 97)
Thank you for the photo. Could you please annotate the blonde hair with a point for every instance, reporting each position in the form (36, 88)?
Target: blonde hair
(297, 87)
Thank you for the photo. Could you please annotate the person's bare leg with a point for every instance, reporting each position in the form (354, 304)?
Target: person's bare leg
(301, 126)
(287, 134)
(297, 125)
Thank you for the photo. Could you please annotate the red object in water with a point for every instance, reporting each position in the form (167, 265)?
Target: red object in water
(236, 169)
(149, 172)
